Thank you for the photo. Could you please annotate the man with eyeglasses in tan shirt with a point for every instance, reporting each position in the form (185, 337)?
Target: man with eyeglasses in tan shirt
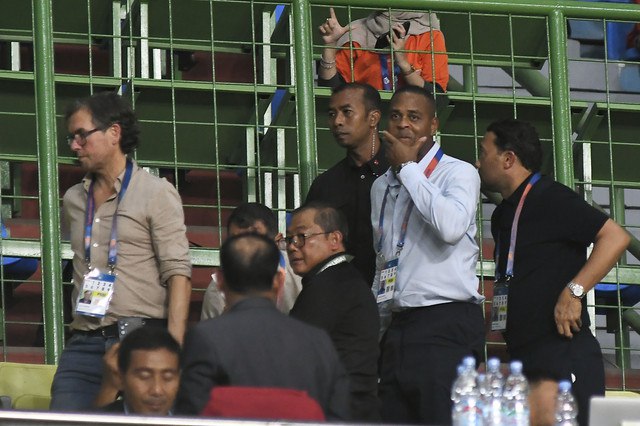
(130, 249)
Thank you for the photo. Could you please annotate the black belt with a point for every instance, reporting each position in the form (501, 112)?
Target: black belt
(112, 331)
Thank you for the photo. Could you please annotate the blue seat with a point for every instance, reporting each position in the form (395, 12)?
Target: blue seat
(607, 294)
(15, 269)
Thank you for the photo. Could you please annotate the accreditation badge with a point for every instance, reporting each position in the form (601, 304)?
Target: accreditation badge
(96, 294)
(387, 283)
(499, 306)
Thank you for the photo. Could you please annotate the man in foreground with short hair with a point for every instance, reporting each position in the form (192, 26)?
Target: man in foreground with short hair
(258, 218)
(542, 230)
(253, 344)
(336, 298)
(145, 367)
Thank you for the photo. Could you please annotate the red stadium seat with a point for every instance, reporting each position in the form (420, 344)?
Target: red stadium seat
(242, 402)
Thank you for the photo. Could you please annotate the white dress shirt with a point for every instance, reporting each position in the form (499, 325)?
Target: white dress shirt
(438, 261)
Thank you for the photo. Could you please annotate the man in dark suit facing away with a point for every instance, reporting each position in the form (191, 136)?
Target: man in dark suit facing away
(253, 344)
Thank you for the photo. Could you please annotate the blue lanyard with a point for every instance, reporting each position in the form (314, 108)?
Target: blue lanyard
(384, 67)
(514, 231)
(405, 221)
(90, 214)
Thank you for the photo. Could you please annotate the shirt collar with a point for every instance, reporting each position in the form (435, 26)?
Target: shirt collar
(376, 166)
(315, 270)
(514, 198)
(88, 178)
(429, 156)
(252, 302)
(392, 180)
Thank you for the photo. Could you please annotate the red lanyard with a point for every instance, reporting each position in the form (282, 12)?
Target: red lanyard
(405, 222)
(514, 232)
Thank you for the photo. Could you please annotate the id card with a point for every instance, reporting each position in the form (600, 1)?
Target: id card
(387, 283)
(96, 293)
(499, 307)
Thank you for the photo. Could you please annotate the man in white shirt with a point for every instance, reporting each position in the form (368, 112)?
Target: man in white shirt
(259, 219)
(423, 215)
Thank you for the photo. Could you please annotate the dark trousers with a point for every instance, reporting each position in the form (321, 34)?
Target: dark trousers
(420, 353)
(557, 358)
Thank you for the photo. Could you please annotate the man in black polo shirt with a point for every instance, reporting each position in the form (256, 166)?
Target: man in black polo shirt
(545, 273)
(354, 114)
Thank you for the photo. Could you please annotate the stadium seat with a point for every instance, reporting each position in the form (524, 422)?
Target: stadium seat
(242, 402)
(28, 385)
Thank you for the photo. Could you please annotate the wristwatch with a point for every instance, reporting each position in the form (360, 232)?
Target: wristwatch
(576, 290)
(400, 166)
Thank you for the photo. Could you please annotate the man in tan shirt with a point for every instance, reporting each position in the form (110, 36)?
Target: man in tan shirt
(130, 249)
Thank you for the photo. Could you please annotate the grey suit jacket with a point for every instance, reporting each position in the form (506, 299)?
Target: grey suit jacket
(253, 344)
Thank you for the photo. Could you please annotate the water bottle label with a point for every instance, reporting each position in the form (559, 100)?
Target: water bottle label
(387, 281)
(499, 307)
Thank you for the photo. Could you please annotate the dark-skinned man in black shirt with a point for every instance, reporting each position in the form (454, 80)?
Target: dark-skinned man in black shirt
(354, 114)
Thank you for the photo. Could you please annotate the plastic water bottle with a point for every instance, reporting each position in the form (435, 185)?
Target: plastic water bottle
(467, 409)
(516, 392)
(466, 378)
(566, 409)
(492, 398)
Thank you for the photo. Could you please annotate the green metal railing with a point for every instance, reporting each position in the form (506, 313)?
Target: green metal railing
(227, 123)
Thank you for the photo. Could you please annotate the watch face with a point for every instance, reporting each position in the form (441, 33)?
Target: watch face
(577, 290)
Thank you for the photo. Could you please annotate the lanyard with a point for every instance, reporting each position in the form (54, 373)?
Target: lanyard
(514, 231)
(338, 260)
(90, 214)
(405, 221)
(384, 67)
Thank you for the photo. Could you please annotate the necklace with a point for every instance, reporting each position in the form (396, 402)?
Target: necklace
(373, 145)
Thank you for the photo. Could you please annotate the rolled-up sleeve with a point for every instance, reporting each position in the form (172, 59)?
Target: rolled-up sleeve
(168, 233)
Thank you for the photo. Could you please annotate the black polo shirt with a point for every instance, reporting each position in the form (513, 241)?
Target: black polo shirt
(556, 226)
(347, 187)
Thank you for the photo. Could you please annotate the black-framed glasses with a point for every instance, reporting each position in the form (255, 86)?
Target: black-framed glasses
(81, 136)
(298, 240)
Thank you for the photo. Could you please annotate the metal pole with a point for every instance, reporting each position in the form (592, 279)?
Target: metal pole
(470, 78)
(304, 94)
(532, 80)
(571, 9)
(560, 97)
(48, 179)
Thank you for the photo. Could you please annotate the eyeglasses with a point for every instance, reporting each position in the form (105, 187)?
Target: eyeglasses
(82, 136)
(298, 240)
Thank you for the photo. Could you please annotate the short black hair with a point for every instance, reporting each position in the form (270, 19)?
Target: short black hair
(521, 138)
(108, 108)
(146, 338)
(249, 262)
(327, 217)
(418, 90)
(370, 96)
(246, 214)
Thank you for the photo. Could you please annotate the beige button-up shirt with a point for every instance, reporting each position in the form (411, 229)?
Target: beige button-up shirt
(151, 245)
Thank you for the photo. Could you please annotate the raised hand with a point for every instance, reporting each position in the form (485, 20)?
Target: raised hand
(398, 36)
(331, 30)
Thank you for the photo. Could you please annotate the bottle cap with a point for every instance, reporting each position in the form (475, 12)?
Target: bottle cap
(493, 364)
(516, 367)
(469, 361)
(564, 386)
